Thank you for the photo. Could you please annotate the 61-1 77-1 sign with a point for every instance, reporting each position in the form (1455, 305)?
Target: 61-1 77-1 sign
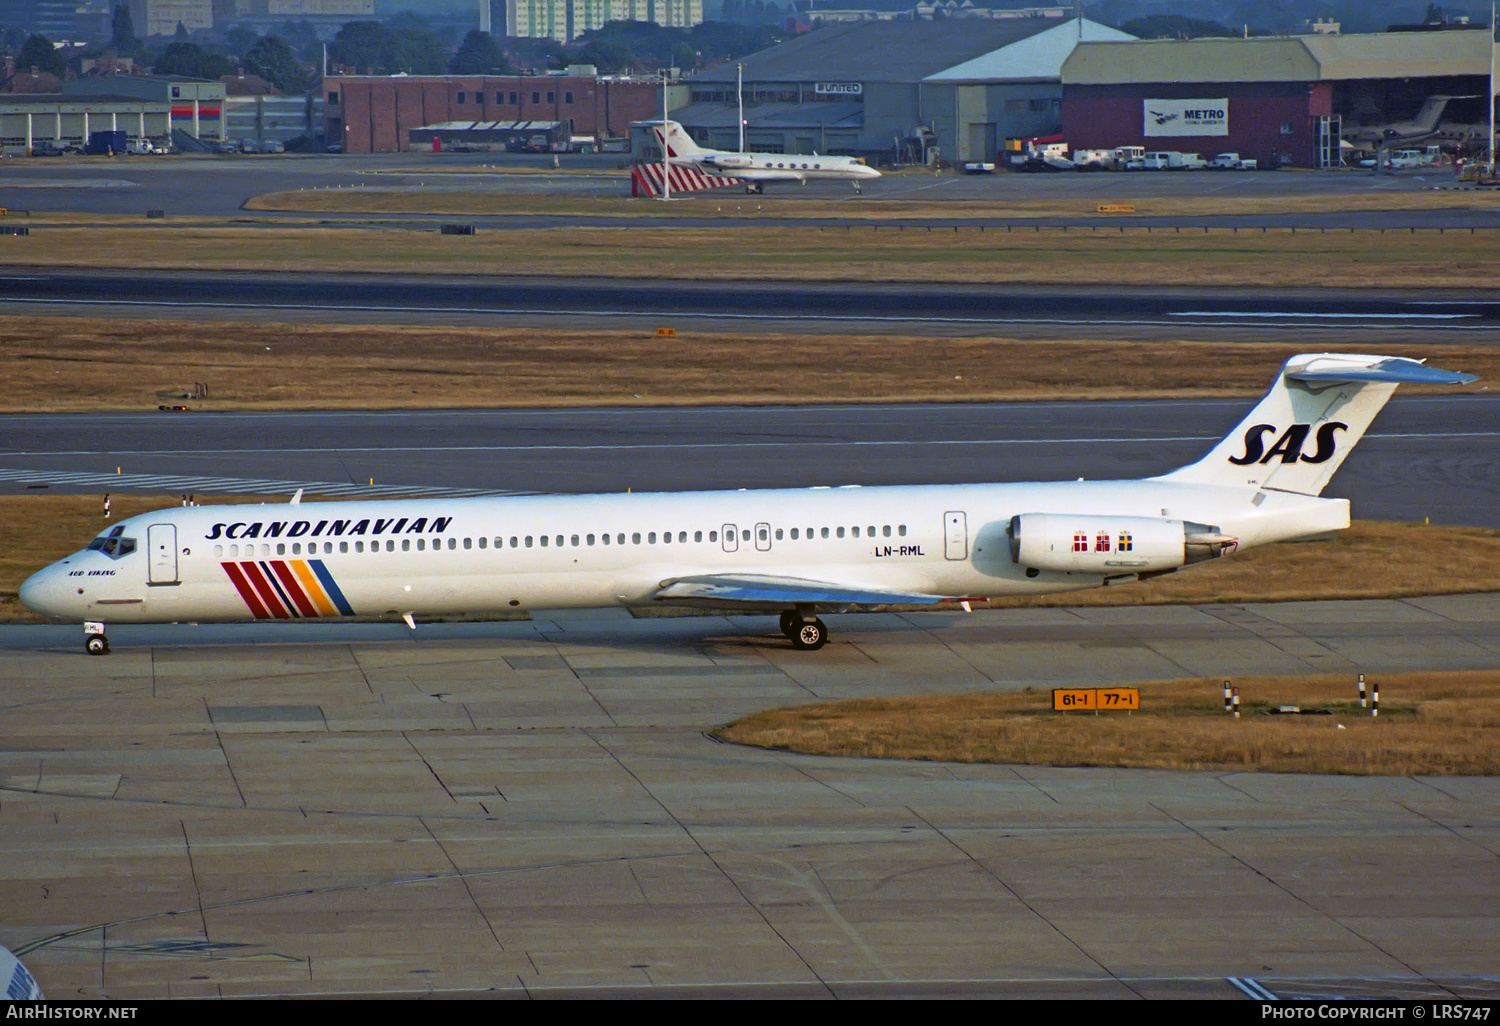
(1096, 699)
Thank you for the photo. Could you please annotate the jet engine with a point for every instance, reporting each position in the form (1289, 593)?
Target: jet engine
(1112, 545)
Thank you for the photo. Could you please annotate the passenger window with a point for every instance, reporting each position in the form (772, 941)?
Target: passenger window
(604, 538)
(575, 541)
(528, 541)
(359, 546)
(778, 534)
(621, 539)
(794, 534)
(651, 538)
(515, 543)
(482, 542)
(841, 532)
(745, 534)
(681, 537)
(590, 539)
(635, 539)
(697, 536)
(713, 536)
(856, 532)
(405, 544)
(280, 548)
(421, 544)
(901, 530)
(544, 541)
(825, 532)
(218, 551)
(886, 530)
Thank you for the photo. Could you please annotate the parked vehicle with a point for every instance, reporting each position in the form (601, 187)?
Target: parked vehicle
(1225, 162)
(1092, 160)
(1171, 160)
(107, 143)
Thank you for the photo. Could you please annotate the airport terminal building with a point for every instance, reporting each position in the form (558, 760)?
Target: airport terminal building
(910, 91)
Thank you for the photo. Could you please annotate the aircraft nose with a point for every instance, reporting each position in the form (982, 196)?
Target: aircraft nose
(45, 592)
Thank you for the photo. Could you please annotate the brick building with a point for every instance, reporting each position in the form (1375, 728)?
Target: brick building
(375, 114)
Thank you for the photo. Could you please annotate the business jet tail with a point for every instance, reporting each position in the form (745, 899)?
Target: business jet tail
(673, 138)
(1306, 425)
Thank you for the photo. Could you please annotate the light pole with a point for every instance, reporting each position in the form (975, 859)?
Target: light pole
(1492, 89)
(666, 167)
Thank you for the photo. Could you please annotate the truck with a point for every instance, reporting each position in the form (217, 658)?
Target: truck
(107, 143)
(1230, 162)
(1092, 160)
(1171, 160)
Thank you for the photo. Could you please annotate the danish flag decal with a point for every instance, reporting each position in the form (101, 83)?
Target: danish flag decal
(291, 589)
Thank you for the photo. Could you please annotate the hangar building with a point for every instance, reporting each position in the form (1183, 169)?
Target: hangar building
(377, 114)
(894, 89)
(1284, 100)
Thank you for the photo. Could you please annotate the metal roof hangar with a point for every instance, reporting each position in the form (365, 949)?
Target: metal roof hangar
(883, 89)
(1283, 100)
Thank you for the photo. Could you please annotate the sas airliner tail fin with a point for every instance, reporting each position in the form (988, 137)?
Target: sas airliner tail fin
(1316, 411)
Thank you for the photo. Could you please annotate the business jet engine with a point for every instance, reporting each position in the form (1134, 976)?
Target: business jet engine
(1112, 545)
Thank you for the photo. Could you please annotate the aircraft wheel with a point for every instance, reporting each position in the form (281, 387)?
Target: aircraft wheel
(811, 635)
(96, 644)
(789, 622)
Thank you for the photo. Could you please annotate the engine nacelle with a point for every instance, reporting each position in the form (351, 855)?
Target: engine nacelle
(1112, 545)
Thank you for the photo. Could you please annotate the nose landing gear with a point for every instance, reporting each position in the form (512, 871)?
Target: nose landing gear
(94, 641)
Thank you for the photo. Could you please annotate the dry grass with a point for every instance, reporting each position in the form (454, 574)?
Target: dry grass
(1010, 199)
(1429, 724)
(70, 363)
(1105, 257)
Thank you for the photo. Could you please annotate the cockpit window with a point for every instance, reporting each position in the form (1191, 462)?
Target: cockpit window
(113, 543)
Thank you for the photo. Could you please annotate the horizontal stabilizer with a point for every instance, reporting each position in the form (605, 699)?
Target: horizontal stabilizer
(760, 591)
(1395, 369)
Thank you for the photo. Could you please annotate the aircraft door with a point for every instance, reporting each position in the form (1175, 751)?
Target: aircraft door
(161, 540)
(763, 537)
(731, 538)
(955, 535)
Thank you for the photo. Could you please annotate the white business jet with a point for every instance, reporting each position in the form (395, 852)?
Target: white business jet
(755, 169)
(796, 552)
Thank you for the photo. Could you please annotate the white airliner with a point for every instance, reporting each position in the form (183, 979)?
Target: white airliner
(755, 169)
(792, 551)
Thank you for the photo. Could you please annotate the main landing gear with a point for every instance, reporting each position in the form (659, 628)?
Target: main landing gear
(94, 641)
(807, 632)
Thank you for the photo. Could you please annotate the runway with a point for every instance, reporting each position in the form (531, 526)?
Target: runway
(1425, 456)
(616, 302)
(533, 809)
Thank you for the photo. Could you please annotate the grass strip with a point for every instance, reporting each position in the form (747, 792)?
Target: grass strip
(1107, 257)
(1435, 724)
(74, 364)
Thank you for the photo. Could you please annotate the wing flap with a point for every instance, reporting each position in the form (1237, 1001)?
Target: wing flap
(755, 591)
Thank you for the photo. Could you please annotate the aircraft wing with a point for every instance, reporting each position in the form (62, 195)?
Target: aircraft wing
(759, 591)
(754, 174)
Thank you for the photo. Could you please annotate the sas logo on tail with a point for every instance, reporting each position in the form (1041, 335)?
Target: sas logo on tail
(1289, 445)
